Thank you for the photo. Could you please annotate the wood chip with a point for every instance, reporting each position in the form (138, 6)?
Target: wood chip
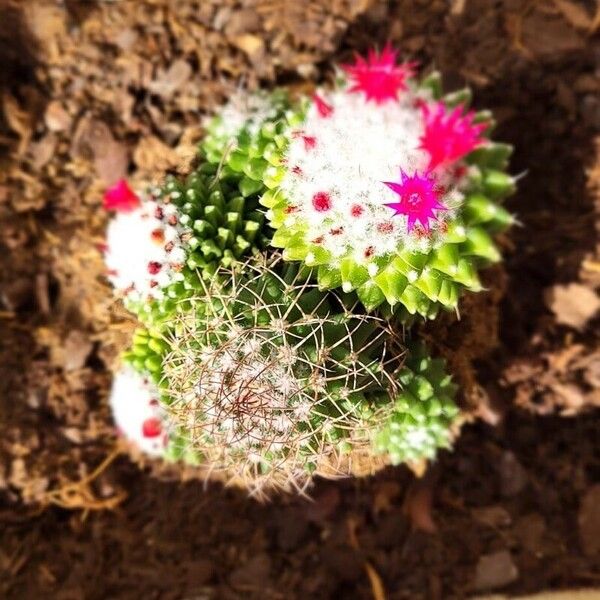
(56, 117)
(153, 156)
(574, 13)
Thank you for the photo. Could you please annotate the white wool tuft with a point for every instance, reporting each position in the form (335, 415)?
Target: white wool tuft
(135, 401)
(244, 110)
(357, 147)
(149, 234)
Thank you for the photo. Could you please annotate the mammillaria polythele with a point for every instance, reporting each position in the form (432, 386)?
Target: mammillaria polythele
(390, 189)
(383, 196)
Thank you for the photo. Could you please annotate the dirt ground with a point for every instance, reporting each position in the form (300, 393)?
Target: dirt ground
(93, 91)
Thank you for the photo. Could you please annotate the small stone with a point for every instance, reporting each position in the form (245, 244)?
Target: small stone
(495, 571)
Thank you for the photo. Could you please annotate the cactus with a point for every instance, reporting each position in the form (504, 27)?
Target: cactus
(183, 231)
(390, 189)
(265, 378)
(246, 135)
(157, 253)
(384, 196)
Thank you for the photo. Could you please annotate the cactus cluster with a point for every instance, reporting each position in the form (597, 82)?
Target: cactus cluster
(395, 199)
(268, 366)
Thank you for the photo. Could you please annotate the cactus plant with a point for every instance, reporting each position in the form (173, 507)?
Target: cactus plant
(390, 189)
(158, 250)
(265, 378)
(265, 368)
(184, 230)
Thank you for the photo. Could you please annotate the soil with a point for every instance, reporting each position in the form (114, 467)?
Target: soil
(92, 91)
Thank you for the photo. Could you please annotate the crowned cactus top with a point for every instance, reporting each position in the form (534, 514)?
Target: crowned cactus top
(137, 412)
(338, 166)
(376, 170)
(145, 247)
(243, 111)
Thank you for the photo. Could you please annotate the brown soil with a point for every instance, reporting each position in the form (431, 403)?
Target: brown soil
(92, 91)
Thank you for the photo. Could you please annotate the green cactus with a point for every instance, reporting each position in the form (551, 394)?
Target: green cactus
(221, 227)
(414, 278)
(265, 377)
(419, 420)
(245, 138)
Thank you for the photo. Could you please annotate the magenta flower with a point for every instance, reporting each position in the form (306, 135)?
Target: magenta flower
(121, 198)
(419, 198)
(449, 135)
(323, 108)
(379, 77)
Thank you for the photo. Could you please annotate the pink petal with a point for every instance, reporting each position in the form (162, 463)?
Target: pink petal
(121, 198)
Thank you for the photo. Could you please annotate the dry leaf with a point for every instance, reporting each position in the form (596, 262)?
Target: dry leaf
(43, 151)
(573, 304)
(94, 141)
(77, 348)
(18, 120)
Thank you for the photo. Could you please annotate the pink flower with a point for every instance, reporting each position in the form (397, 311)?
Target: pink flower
(323, 108)
(449, 135)
(121, 198)
(419, 198)
(379, 77)
(310, 141)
